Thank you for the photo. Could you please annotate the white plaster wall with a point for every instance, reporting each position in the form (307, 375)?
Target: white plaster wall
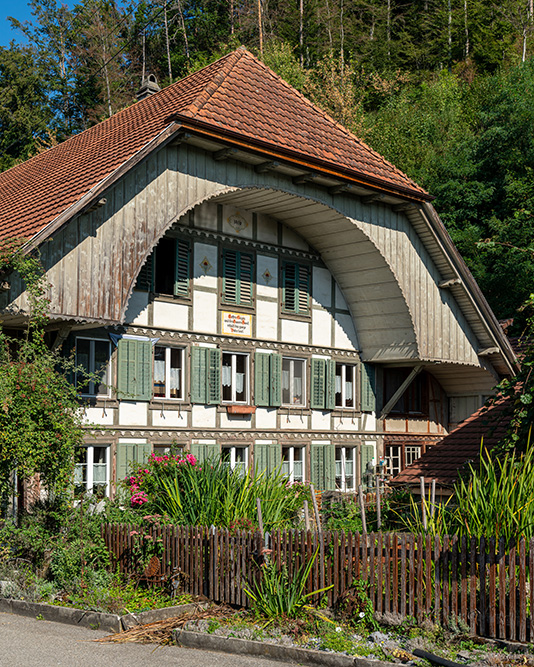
(322, 287)
(294, 331)
(100, 416)
(344, 333)
(205, 312)
(235, 421)
(175, 418)
(137, 312)
(368, 422)
(348, 422)
(203, 416)
(320, 421)
(266, 418)
(321, 328)
(167, 315)
(133, 413)
(266, 320)
(264, 288)
(293, 421)
(267, 229)
(202, 278)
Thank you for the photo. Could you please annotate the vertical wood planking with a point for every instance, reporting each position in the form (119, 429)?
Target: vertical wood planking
(395, 582)
(522, 591)
(403, 576)
(445, 574)
(454, 579)
(502, 589)
(473, 616)
(482, 585)
(437, 581)
(411, 575)
(492, 589)
(463, 593)
(512, 593)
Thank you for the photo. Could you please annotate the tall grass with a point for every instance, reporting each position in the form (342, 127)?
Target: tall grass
(213, 494)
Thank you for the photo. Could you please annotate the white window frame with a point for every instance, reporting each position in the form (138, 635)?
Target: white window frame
(234, 463)
(394, 459)
(288, 465)
(168, 349)
(106, 377)
(348, 455)
(292, 361)
(411, 454)
(89, 463)
(344, 397)
(234, 356)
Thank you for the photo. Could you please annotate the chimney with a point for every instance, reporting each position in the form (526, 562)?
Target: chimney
(148, 87)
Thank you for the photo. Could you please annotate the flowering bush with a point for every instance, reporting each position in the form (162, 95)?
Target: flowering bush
(213, 494)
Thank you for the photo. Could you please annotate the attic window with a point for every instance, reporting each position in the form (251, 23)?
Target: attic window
(167, 269)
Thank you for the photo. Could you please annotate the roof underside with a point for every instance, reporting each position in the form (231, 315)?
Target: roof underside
(235, 96)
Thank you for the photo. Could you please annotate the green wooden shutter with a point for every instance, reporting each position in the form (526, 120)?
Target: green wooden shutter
(289, 287)
(214, 376)
(323, 466)
(205, 451)
(267, 457)
(368, 388)
(367, 455)
(134, 376)
(318, 384)
(246, 278)
(128, 453)
(230, 277)
(145, 278)
(181, 275)
(199, 364)
(261, 379)
(303, 286)
(330, 385)
(275, 389)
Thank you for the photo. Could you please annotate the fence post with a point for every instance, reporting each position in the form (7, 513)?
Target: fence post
(362, 509)
(320, 536)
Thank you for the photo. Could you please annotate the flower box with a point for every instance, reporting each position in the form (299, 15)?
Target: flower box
(240, 409)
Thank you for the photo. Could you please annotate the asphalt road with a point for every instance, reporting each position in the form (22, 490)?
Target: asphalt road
(25, 642)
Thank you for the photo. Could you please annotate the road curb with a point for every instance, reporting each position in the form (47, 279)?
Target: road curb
(301, 656)
(89, 619)
(152, 615)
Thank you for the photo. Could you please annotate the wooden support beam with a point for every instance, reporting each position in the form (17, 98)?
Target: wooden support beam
(445, 284)
(371, 199)
(97, 204)
(180, 139)
(224, 153)
(400, 391)
(262, 168)
(401, 208)
(303, 178)
(61, 336)
(486, 352)
(340, 189)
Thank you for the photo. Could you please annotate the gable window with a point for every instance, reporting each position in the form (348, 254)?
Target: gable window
(235, 457)
(411, 402)
(345, 468)
(296, 288)
(293, 379)
(92, 357)
(293, 463)
(168, 372)
(91, 471)
(234, 377)
(167, 270)
(345, 386)
(238, 278)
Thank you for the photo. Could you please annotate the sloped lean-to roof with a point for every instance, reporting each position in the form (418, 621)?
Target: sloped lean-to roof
(235, 96)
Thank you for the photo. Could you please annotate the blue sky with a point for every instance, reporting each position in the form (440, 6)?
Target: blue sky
(20, 11)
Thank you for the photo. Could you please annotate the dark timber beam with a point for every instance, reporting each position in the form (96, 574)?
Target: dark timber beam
(224, 153)
(400, 391)
(266, 166)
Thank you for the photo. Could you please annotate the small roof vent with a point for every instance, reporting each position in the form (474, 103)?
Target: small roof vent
(148, 87)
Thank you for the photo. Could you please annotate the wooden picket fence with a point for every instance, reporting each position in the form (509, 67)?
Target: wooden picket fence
(479, 586)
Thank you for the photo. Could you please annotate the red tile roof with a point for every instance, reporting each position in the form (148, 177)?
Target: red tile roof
(445, 460)
(236, 95)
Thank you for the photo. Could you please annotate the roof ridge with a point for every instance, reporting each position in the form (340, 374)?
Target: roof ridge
(215, 82)
(327, 116)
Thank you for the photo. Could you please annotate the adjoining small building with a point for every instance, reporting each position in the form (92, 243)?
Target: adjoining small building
(250, 280)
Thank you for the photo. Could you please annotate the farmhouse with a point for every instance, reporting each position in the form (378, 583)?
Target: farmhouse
(251, 280)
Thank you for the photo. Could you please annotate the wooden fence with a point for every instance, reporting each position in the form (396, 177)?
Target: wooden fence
(476, 585)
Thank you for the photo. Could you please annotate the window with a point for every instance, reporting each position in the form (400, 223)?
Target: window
(93, 357)
(346, 468)
(402, 455)
(168, 372)
(91, 471)
(293, 378)
(411, 454)
(238, 278)
(167, 270)
(345, 385)
(293, 463)
(234, 377)
(411, 402)
(295, 288)
(235, 457)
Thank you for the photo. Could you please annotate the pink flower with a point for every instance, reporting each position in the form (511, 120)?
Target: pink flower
(191, 459)
(133, 532)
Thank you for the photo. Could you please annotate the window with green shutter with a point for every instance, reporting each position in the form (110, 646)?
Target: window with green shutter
(134, 369)
(128, 453)
(323, 466)
(368, 388)
(167, 269)
(238, 278)
(267, 379)
(296, 287)
(203, 451)
(205, 375)
(322, 384)
(267, 457)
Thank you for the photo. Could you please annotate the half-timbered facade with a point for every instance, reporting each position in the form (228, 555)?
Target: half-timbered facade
(250, 280)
